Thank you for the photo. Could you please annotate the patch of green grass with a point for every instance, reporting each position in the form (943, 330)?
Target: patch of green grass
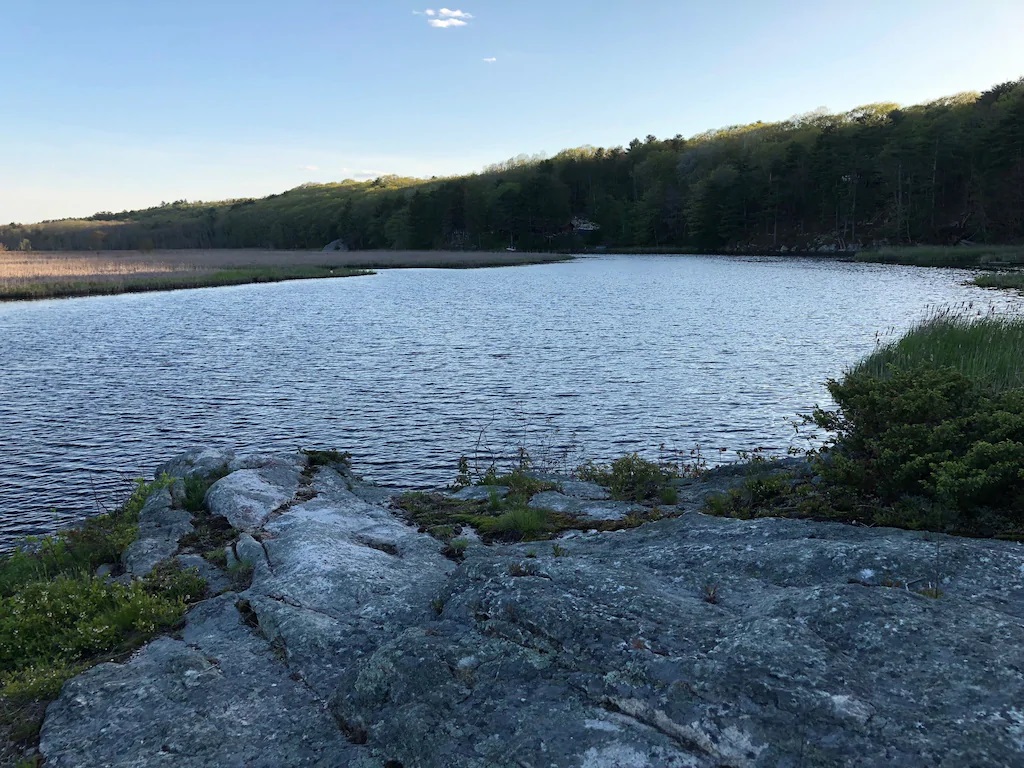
(444, 518)
(964, 256)
(240, 574)
(518, 524)
(196, 487)
(521, 485)
(455, 549)
(327, 458)
(1006, 280)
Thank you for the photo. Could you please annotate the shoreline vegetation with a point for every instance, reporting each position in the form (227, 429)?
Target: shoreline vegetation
(65, 274)
(31, 275)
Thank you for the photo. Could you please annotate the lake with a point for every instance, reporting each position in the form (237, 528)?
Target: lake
(409, 369)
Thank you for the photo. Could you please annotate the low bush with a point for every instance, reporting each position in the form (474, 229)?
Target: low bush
(928, 433)
(74, 551)
(630, 478)
(49, 629)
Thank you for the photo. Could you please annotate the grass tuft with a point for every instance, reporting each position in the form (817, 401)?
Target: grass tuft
(988, 350)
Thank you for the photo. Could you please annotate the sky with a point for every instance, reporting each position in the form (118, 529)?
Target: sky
(122, 104)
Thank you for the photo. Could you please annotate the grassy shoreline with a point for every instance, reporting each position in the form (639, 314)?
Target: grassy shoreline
(55, 289)
(26, 276)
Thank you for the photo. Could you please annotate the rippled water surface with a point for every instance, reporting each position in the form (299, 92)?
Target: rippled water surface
(409, 369)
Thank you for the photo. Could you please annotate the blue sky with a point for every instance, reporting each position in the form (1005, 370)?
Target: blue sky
(115, 104)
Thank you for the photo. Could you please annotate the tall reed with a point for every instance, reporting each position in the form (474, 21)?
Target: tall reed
(988, 349)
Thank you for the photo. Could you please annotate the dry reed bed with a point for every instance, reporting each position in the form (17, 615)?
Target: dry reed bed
(42, 274)
(64, 264)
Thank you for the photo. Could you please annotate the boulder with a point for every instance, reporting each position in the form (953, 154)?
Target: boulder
(200, 461)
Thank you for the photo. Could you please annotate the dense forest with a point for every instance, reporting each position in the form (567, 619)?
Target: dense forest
(943, 172)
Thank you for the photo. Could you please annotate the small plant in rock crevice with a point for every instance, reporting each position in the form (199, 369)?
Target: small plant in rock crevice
(327, 458)
(710, 593)
(455, 549)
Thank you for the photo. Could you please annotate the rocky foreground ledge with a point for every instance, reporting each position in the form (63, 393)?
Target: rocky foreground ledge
(691, 641)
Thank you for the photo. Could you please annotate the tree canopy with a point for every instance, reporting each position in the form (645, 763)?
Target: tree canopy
(940, 172)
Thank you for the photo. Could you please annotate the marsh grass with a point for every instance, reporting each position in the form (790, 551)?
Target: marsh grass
(988, 349)
(946, 256)
(1005, 280)
(50, 287)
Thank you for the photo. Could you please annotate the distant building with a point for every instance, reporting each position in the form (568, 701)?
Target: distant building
(579, 224)
(335, 245)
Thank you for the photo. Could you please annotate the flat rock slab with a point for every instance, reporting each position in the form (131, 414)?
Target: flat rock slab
(160, 528)
(583, 489)
(480, 492)
(693, 641)
(216, 697)
(584, 508)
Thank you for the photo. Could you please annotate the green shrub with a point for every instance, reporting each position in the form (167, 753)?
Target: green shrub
(50, 629)
(928, 433)
(629, 478)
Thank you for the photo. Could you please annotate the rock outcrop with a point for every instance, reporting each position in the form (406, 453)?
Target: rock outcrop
(691, 641)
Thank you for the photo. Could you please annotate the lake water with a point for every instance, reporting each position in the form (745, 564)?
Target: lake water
(409, 369)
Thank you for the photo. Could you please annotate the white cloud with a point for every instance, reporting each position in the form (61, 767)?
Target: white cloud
(445, 18)
(445, 23)
(490, 59)
(311, 167)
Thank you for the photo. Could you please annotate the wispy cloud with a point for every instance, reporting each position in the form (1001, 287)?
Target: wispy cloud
(311, 167)
(491, 59)
(445, 18)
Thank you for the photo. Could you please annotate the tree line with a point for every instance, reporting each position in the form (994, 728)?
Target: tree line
(942, 172)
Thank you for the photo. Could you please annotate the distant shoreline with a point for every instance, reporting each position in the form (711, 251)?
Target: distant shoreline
(32, 275)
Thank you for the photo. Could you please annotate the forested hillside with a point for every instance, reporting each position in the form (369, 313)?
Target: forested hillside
(941, 172)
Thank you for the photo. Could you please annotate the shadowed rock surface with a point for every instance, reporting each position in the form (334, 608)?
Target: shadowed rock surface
(693, 641)
(161, 525)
